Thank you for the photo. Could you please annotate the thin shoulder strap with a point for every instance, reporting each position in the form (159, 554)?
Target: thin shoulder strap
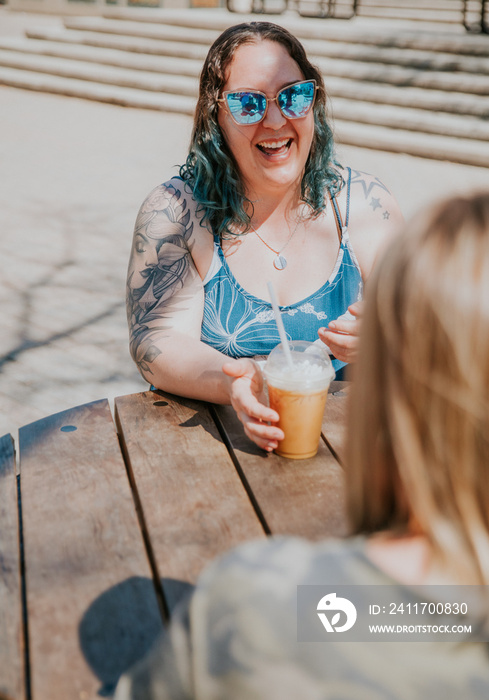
(336, 209)
(348, 190)
(337, 215)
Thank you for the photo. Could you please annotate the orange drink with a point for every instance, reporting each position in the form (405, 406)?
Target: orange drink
(297, 390)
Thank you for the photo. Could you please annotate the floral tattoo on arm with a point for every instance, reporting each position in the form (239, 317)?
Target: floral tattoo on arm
(159, 269)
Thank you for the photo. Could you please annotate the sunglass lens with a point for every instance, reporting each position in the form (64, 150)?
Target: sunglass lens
(296, 101)
(246, 107)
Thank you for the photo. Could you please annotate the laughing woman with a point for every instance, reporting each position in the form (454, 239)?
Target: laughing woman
(260, 198)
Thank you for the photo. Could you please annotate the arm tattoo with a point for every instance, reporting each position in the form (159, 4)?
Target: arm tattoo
(372, 190)
(159, 268)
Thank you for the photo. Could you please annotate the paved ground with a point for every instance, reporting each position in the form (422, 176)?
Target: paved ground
(73, 174)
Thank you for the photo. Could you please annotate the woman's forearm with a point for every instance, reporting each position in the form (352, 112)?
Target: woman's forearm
(187, 367)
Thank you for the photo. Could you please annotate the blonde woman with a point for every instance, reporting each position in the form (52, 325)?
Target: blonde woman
(418, 502)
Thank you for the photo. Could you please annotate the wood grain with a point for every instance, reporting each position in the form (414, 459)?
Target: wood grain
(11, 640)
(92, 608)
(193, 501)
(335, 418)
(296, 497)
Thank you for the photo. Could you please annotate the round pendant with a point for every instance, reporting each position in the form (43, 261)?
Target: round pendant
(280, 263)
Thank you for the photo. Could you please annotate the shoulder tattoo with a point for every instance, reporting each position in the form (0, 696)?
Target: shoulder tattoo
(159, 268)
(374, 191)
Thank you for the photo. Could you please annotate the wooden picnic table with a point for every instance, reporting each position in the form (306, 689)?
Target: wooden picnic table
(105, 523)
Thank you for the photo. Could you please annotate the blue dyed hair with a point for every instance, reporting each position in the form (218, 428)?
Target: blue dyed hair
(211, 169)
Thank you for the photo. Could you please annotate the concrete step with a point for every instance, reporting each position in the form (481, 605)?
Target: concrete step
(104, 56)
(99, 73)
(410, 119)
(416, 144)
(244, 13)
(433, 100)
(414, 60)
(134, 44)
(156, 26)
(85, 89)
(413, 12)
(418, 14)
(421, 10)
(160, 32)
(454, 40)
(401, 76)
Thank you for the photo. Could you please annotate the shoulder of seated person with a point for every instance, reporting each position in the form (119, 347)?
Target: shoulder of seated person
(174, 187)
(177, 194)
(288, 558)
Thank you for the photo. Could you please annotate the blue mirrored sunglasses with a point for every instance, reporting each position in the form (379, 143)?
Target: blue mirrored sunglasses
(250, 106)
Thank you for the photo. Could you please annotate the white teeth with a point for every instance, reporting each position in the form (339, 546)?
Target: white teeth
(274, 144)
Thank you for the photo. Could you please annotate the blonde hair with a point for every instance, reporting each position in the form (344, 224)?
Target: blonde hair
(418, 453)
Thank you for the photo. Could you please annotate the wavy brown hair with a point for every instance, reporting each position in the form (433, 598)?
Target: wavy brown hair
(418, 454)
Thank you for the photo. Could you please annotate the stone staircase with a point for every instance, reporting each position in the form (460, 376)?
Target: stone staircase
(448, 11)
(420, 91)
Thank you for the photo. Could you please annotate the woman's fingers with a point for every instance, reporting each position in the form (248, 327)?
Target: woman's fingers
(343, 346)
(343, 326)
(341, 335)
(265, 436)
(261, 430)
(356, 309)
(246, 401)
(258, 411)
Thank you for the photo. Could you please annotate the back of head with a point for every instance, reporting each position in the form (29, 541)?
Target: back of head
(419, 427)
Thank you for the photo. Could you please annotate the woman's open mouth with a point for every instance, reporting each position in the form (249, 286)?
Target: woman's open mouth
(275, 148)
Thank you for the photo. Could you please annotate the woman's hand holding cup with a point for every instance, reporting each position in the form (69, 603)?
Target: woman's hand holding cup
(247, 397)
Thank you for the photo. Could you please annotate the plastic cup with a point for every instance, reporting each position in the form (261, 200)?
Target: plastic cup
(298, 393)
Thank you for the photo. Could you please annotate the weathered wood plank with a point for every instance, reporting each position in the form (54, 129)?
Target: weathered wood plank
(92, 608)
(296, 497)
(335, 417)
(12, 683)
(194, 503)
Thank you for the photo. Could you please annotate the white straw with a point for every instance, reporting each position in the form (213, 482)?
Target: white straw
(280, 324)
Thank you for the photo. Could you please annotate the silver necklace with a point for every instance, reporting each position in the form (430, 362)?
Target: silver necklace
(280, 261)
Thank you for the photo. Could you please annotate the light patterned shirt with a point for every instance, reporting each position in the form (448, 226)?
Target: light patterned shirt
(236, 638)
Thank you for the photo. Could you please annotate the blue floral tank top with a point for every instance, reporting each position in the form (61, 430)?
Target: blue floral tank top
(239, 324)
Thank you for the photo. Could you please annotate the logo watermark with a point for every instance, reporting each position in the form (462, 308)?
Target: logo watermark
(331, 603)
(392, 613)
